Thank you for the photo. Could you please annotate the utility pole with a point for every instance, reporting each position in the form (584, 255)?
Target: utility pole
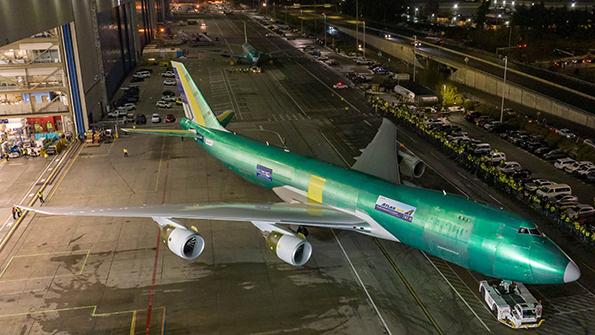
(414, 43)
(356, 24)
(364, 49)
(503, 88)
(324, 16)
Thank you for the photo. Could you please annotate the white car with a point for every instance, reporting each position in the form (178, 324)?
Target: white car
(550, 191)
(163, 104)
(563, 162)
(572, 168)
(168, 74)
(168, 98)
(566, 133)
(340, 85)
(510, 167)
(155, 118)
(536, 184)
(169, 82)
(455, 109)
(496, 156)
(142, 74)
(584, 170)
(580, 210)
(128, 106)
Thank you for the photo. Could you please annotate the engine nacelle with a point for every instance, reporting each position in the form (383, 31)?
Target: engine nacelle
(183, 242)
(410, 165)
(290, 249)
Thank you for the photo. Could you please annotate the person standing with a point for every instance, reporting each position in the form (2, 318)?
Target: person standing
(40, 197)
(125, 152)
(14, 213)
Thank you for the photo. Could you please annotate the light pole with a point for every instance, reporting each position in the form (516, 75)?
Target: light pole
(356, 23)
(364, 49)
(324, 16)
(414, 44)
(503, 88)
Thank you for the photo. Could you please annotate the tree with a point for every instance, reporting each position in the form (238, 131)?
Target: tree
(451, 96)
(482, 11)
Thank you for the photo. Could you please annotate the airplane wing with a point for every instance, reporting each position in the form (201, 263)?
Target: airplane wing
(161, 132)
(282, 213)
(380, 157)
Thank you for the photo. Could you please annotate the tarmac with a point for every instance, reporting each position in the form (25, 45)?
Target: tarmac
(113, 276)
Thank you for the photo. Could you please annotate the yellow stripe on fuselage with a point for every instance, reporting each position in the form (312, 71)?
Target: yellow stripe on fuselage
(194, 108)
(315, 188)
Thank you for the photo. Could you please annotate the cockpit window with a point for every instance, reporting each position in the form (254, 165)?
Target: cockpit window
(530, 231)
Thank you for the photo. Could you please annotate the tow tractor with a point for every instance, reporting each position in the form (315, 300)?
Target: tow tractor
(512, 303)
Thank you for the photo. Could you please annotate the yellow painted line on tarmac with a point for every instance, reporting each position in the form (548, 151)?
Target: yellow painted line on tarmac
(70, 165)
(163, 321)
(87, 253)
(133, 323)
(33, 200)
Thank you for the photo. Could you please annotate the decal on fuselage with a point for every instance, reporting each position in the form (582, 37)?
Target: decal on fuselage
(264, 172)
(395, 208)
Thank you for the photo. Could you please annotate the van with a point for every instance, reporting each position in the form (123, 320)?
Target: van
(553, 190)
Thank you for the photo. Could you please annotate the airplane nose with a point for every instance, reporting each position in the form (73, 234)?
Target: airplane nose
(571, 273)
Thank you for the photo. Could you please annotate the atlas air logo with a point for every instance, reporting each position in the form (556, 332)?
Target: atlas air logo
(395, 208)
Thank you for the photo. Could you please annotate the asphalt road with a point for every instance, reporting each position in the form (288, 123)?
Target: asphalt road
(552, 85)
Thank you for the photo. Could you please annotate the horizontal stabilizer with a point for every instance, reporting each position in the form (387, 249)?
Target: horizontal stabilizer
(161, 132)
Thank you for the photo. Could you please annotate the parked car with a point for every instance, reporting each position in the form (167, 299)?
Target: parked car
(168, 93)
(590, 177)
(580, 210)
(541, 151)
(496, 156)
(555, 154)
(140, 119)
(510, 167)
(331, 62)
(168, 74)
(168, 98)
(136, 80)
(380, 70)
(455, 109)
(566, 133)
(163, 104)
(492, 125)
(553, 190)
(169, 82)
(561, 163)
(572, 168)
(472, 116)
(565, 200)
(481, 148)
(584, 171)
(155, 118)
(128, 106)
(535, 184)
(170, 118)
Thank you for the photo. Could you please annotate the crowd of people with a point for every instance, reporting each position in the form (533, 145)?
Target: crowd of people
(513, 184)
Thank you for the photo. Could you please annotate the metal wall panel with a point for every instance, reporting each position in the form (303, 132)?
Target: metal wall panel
(23, 18)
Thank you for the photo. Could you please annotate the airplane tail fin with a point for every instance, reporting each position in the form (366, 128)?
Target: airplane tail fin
(195, 106)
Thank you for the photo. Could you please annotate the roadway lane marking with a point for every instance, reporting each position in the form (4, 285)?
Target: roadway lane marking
(231, 93)
(456, 291)
(133, 323)
(359, 279)
(496, 200)
(462, 175)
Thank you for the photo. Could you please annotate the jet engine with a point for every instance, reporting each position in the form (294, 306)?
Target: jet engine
(289, 248)
(409, 164)
(185, 243)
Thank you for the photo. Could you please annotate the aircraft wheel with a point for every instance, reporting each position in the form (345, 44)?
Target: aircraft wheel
(303, 231)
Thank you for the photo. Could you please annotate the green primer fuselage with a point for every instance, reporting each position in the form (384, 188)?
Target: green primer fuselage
(470, 234)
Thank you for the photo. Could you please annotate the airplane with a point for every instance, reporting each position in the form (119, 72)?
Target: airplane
(367, 198)
(250, 55)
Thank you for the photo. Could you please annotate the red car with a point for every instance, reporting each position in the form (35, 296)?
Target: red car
(170, 118)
